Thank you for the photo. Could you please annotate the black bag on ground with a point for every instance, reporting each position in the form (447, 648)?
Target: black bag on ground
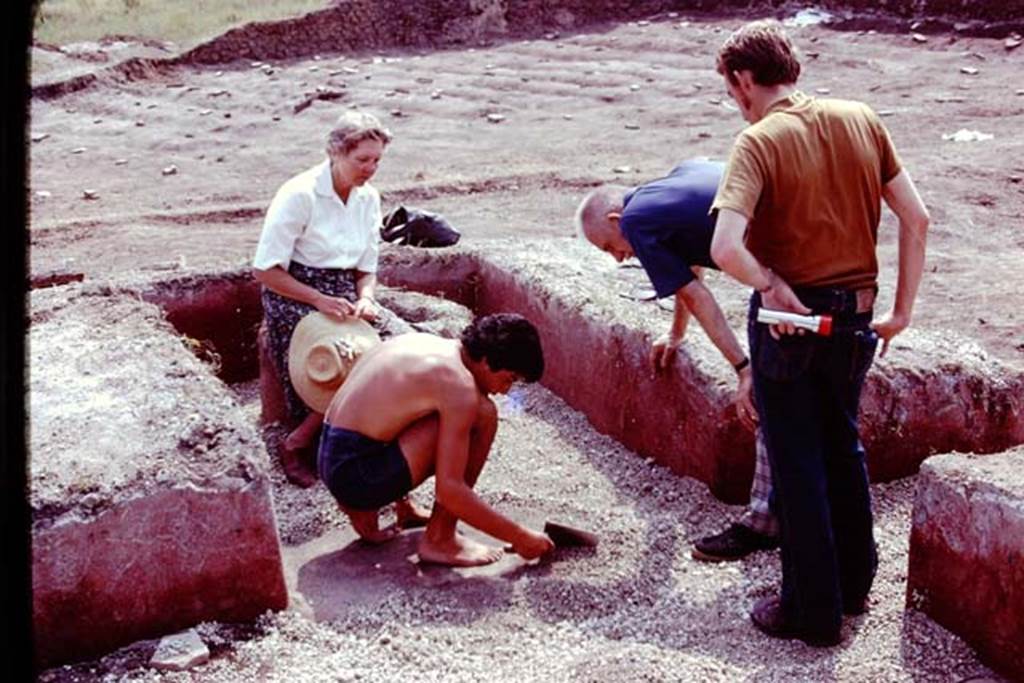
(418, 228)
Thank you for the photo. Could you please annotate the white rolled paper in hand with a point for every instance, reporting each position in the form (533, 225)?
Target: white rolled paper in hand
(819, 324)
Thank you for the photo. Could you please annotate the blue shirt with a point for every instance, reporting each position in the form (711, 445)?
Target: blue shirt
(668, 224)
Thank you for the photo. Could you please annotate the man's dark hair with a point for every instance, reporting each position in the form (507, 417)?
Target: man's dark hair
(508, 342)
(763, 48)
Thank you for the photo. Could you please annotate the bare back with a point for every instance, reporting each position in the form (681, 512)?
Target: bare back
(400, 381)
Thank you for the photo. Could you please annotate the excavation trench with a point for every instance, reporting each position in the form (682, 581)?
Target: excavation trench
(945, 396)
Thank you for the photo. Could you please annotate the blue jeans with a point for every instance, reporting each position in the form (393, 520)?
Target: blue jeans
(807, 389)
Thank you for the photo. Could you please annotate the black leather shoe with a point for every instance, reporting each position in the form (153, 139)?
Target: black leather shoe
(734, 543)
(769, 618)
(855, 608)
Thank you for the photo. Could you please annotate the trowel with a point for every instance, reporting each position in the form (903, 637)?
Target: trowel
(564, 536)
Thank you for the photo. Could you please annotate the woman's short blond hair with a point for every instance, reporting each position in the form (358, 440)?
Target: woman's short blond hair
(351, 128)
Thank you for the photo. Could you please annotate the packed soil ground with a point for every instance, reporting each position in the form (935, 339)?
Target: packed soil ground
(171, 173)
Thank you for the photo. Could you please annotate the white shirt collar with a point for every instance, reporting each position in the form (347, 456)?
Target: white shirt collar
(324, 184)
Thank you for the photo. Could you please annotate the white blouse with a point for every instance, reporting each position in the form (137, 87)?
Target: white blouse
(307, 222)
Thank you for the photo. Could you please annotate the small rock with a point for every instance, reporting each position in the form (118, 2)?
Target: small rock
(495, 118)
(551, 36)
(78, 150)
(704, 134)
(812, 55)
(120, 162)
(822, 91)
(622, 169)
(424, 80)
(672, 15)
(140, 123)
(256, 65)
(46, 194)
(1012, 179)
(1012, 43)
(218, 92)
(39, 137)
(436, 95)
(886, 112)
(92, 500)
(180, 652)
(567, 117)
(218, 74)
(205, 112)
(918, 38)
(170, 170)
(314, 68)
(397, 113)
(634, 87)
(275, 118)
(350, 69)
(632, 126)
(90, 194)
(969, 70)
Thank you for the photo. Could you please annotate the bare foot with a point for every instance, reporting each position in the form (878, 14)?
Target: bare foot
(408, 515)
(296, 468)
(367, 525)
(459, 551)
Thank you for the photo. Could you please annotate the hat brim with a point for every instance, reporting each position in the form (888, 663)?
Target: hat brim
(353, 335)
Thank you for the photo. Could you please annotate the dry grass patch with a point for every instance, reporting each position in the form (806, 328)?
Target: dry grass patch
(185, 23)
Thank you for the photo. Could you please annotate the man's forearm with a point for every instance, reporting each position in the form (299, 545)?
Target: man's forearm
(709, 314)
(680, 318)
(733, 257)
(460, 500)
(911, 267)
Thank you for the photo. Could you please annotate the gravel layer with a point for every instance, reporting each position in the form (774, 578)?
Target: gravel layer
(639, 608)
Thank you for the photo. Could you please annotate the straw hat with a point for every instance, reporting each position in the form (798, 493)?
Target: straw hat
(321, 354)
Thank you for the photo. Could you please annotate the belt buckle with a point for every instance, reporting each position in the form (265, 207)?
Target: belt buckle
(865, 300)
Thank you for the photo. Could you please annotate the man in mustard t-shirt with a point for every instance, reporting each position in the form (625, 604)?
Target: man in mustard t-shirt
(798, 213)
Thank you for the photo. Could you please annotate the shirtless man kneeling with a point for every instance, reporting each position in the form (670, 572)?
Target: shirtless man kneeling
(415, 406)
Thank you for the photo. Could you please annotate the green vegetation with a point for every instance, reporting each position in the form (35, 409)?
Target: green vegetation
(183, 22)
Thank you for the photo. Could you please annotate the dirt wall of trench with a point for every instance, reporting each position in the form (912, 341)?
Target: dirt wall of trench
(939, 394)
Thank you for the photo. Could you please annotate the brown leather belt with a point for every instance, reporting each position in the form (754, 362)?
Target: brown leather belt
(837, 301)
(865, 299)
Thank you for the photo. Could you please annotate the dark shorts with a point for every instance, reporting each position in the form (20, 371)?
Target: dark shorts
(362, 473)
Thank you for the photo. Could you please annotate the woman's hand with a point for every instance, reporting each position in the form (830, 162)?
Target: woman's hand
(334, 306)
(366, 308)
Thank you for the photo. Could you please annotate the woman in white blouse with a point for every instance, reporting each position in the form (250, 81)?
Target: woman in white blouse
(318, 250)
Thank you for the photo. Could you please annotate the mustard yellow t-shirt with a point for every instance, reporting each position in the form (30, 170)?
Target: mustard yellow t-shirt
(809, 177)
